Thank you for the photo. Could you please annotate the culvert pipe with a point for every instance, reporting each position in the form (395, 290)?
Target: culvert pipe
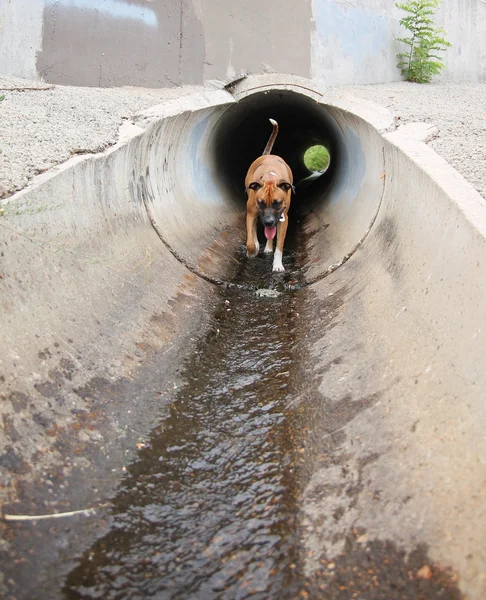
(199, 160)
(114, 264)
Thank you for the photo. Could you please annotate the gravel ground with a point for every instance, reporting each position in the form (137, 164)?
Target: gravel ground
(43, 125)
(458, 110)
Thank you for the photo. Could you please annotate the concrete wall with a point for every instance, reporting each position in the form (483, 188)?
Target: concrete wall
(167, 43)
(20, 37)
(465, 23)
(354, 41)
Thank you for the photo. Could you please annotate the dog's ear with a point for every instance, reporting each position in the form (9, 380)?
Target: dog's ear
(286, 186)
(254, 185)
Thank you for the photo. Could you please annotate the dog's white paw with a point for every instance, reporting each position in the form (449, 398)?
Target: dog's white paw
(277, 262)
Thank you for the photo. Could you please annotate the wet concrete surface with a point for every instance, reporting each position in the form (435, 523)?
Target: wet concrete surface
(211, 508)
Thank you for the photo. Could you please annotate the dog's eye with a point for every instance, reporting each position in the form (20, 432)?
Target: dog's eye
(276, 204)
(261, 203)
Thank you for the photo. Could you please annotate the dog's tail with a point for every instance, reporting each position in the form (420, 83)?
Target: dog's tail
(272, 138)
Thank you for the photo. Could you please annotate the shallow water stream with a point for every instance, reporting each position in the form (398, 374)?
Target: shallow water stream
(210, 506)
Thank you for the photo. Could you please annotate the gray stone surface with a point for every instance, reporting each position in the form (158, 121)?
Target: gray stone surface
(458, 110)
(43, 126)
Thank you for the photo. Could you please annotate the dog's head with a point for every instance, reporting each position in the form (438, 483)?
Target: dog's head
(271, 199)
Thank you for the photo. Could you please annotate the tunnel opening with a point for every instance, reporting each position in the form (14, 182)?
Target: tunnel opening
(194, 187)
(242, 133)
(317, 159)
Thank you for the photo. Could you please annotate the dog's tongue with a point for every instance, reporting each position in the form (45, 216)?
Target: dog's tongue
(270, 232)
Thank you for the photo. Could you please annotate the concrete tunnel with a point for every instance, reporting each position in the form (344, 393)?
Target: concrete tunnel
(219, 143)
(138, 239)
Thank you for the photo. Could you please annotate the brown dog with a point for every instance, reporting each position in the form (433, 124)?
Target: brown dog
(268, 185)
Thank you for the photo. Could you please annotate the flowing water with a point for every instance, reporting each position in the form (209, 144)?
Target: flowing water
(209, 509)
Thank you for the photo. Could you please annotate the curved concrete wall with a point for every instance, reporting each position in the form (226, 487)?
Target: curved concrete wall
(104, 256)
(165, 44)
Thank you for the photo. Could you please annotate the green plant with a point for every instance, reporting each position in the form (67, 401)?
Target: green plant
(316, 158)
(421, 62)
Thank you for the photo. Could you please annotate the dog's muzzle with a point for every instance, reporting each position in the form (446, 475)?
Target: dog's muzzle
(270, 219)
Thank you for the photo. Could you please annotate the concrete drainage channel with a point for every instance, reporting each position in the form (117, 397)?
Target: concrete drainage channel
(324, 438)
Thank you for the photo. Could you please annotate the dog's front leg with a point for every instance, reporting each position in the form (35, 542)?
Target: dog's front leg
(252, 245)
(277, 257)
(268, 247)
